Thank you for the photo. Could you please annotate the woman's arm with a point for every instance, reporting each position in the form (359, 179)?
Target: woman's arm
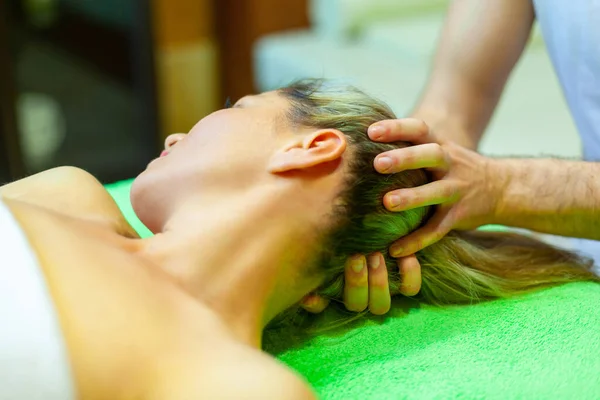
(71, 191)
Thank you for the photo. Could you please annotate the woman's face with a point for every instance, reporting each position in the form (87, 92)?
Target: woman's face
(226, 139)
(231, 151)
(225, 151)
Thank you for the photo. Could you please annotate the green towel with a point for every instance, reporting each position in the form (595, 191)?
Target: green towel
(545, 345)
(120, 192)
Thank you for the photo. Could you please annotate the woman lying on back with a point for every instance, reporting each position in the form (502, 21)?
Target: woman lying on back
(257, 206)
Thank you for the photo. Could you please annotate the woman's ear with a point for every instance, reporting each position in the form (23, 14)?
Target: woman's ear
(318, 147)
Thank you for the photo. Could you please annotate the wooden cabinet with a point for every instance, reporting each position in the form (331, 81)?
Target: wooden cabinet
(238, 24)
(204, 51)
(126, 73)
(186, 57)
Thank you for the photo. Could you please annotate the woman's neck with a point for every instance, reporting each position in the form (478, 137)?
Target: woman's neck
(234, 257)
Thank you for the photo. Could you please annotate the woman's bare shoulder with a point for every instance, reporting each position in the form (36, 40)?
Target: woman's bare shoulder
(172, 346)
(71, 191)
(233, 370)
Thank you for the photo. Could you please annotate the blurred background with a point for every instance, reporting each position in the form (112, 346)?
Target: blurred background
(99, 83)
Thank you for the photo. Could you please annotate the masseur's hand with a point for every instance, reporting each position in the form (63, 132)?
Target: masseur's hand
(464, 189)
(366, 284)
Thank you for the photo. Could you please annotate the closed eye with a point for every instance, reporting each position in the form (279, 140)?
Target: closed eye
(228, 103)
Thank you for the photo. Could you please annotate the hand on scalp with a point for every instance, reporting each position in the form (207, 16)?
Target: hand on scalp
(462, 192)
(366, 284)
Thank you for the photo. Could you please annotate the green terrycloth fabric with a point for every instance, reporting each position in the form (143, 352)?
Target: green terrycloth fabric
(120, 192)
(542, 346)
(545, 345)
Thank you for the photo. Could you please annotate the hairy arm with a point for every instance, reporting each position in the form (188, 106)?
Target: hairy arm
(480, 43)
(550, 196)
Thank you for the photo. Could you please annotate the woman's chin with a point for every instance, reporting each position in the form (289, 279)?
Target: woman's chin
(155, 161)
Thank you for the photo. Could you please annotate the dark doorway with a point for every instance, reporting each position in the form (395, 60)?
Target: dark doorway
(80, 88)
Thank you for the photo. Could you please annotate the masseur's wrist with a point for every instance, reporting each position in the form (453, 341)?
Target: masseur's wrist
(519, 200)
(501, 175)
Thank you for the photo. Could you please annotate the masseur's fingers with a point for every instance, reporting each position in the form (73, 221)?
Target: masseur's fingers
(314, 303)
(435, 229)
(436, 192)
(430, 155)
(356, 289)
(410, 275)
(379, 289)
(404, 129)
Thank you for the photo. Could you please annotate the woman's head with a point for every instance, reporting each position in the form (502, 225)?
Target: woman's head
(235, 150)
(360, 224)
(310, 139)
(310, 129)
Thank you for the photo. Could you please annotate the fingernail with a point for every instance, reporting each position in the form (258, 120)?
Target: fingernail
(393, 200)
(358, 264)
(311, 301)
(374, 261)
(384, 163)
(376, 131)
(308, 301)
(395, 251)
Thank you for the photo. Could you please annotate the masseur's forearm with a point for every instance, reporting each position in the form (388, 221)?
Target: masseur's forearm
(479, 45)
(550, 196)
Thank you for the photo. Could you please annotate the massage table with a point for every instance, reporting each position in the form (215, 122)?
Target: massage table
(544, 345)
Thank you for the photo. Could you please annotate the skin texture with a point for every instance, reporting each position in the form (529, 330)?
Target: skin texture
(179, 315)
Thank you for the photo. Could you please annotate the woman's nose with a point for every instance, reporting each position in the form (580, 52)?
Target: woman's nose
(171, 140)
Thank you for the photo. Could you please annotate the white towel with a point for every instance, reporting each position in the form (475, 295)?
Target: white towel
(33, 357)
